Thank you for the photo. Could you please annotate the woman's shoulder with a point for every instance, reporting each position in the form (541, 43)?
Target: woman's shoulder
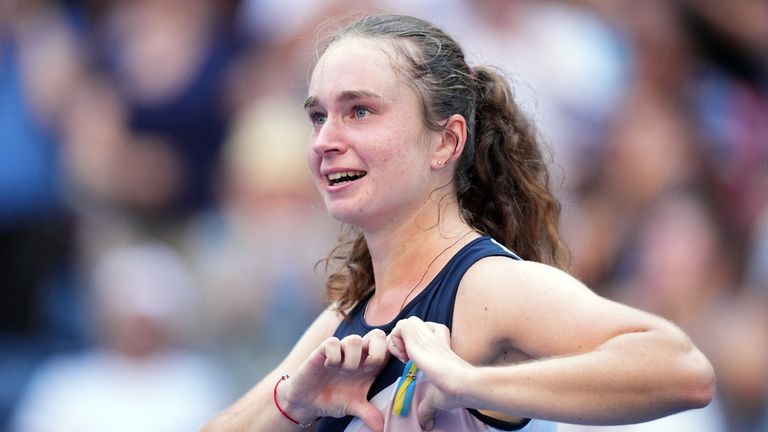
(505, 307)
(496, 275)
(501, 272)
(502, 293)
(527, 287)
(488, 246)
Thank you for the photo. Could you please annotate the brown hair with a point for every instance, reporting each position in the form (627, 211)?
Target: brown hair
(501, 180)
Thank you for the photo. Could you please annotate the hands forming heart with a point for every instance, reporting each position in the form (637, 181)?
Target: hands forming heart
(335, 379)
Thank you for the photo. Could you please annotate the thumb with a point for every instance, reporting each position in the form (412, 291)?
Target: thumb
(426, 413)
(369, 414)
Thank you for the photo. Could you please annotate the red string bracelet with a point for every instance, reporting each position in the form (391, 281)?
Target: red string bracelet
(285, 414)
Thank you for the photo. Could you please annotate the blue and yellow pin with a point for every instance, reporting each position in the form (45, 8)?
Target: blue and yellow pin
(404, 393)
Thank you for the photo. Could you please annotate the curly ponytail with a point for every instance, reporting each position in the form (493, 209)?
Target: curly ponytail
(501, 181)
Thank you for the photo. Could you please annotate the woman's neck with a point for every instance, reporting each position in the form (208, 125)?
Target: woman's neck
(406, 258)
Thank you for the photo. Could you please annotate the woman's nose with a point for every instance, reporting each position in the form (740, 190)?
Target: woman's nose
(329, 139)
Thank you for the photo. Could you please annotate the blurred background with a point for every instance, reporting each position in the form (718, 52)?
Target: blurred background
(159, 231)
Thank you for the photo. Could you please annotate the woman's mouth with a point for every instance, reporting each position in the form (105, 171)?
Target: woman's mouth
(344, 177)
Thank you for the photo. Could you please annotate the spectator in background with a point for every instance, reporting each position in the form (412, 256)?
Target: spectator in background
(39, 64)
(95, 141)
(567, 67)
(256, 255)
(728, 96)
(168, 61)
(694, 118)
(139, 376)
(757, 266)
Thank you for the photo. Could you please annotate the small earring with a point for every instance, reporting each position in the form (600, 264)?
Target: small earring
(440, 163)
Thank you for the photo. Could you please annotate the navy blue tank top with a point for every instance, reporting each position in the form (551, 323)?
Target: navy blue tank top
(435, 304)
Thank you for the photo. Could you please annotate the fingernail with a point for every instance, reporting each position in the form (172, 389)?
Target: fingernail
(428, 425)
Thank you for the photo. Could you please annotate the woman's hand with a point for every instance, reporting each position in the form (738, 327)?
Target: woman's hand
(335, 379)
(429, 346)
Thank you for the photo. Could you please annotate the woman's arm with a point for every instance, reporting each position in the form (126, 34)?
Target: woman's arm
(255, 411)
(631, 378)
(592, 361)
(329, 377)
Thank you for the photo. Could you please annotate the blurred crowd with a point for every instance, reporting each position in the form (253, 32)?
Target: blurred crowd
(160, 234)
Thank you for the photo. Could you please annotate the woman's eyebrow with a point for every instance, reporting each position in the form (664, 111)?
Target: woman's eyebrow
(344, 96)
(310, 102)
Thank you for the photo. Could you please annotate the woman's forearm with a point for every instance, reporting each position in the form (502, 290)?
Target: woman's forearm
(253, 412)
(631, 378)
(332, 381)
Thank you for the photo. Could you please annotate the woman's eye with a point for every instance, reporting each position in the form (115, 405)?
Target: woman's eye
(317, 118)
(361, 112)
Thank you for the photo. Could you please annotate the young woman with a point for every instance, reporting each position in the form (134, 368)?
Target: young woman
(441, 177)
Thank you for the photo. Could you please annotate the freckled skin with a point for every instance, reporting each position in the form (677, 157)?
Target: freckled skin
(389, 142)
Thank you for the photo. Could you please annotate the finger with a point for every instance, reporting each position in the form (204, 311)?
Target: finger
(404, 332)
(351, 348)
(369, 414)
(331, 350)
(440, 330)
(413, 327)
(375, 344)
(396, 346)
(417, 334)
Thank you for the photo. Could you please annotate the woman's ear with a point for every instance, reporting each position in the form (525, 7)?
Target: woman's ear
(452, 140)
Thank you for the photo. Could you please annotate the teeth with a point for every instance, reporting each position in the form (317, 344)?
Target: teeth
(345, 174)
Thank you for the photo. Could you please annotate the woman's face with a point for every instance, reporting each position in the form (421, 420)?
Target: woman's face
(369, 151)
